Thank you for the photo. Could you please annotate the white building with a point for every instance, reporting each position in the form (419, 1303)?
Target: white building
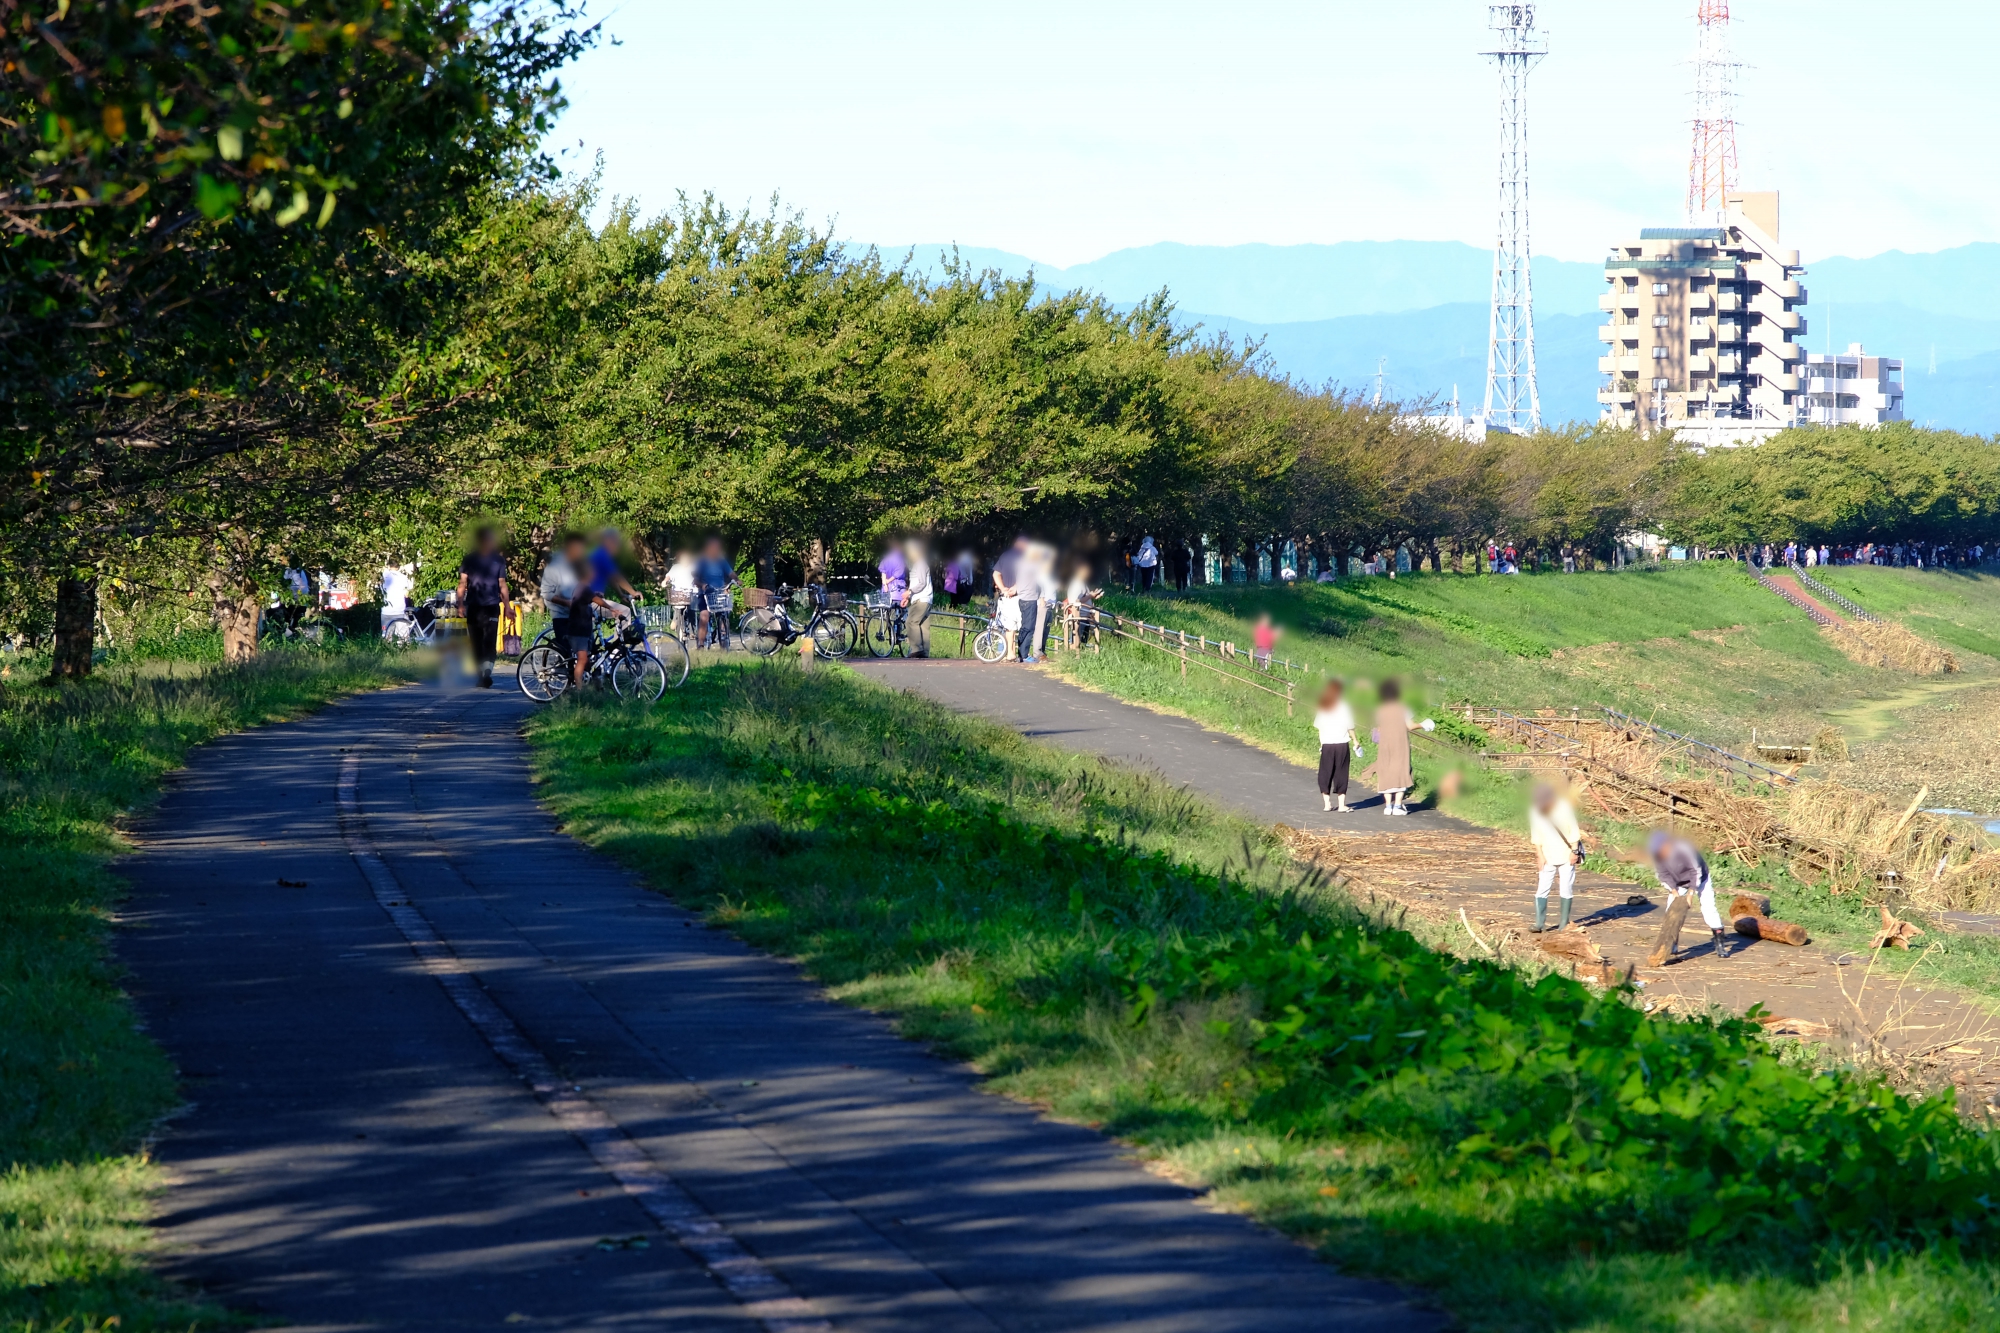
(1703, 328)
(1850, 387)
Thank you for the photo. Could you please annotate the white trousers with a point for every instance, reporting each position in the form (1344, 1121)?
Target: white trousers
(1709, 914)
(1564, 874)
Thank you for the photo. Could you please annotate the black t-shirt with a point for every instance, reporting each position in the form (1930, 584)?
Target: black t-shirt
(482, 578)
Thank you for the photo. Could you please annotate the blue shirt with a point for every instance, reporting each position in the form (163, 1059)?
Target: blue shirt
(603, 566)
(713, 573)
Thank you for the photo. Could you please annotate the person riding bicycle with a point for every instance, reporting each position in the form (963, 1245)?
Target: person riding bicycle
(714, 577)
(605, 574)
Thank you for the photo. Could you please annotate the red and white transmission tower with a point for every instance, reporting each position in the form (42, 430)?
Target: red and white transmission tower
(1712, 170)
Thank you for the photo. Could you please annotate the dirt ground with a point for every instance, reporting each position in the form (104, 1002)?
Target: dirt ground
(1483, 885)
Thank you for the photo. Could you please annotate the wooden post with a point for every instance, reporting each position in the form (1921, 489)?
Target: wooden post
(805, 652)
(1183, 654)
(1288, 698)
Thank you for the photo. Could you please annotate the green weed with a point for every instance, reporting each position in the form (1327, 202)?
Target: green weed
(80, 1085)
(1541, 1155)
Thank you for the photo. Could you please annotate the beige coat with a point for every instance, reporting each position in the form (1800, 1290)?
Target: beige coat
(1555, 835)
(1392, 755)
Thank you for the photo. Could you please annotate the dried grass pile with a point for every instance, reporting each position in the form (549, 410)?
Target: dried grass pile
(1863, 842)
(1886, 644)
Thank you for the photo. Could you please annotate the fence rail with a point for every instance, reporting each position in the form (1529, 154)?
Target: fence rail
(1820, 590)
(1702, 752)
(1189, 648)
(1818, 616)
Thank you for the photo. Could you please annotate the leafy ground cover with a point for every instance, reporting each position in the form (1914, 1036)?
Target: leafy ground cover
(1542, 1156)
(80, 1085)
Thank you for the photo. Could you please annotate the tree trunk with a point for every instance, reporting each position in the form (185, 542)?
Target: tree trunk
(816, 560)
(237, 610)
(76, 628)
(1340, 559)
(767, 563)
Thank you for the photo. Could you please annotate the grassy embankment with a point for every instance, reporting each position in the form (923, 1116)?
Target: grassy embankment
(1541, 1157)
(80, 1084)
(1698, 648)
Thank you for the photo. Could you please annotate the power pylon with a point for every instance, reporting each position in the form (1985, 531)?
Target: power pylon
(1712, 172)
(1512, 400)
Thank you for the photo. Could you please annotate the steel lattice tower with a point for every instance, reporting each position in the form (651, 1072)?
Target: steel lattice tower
(1512, 400)
(1712, 165)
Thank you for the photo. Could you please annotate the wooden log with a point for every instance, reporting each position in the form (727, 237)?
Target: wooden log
(1668, 942)
(1571, 944)
(1750, 904)
(1764, 928)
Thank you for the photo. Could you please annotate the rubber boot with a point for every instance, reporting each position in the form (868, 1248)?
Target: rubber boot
(1541, 915)
(1567, 904)
(1721, 943)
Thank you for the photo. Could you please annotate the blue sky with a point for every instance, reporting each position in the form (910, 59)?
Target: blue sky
(1063, 131)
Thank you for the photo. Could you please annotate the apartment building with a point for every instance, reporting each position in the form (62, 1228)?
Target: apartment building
(1850, 387)
(1705, 326)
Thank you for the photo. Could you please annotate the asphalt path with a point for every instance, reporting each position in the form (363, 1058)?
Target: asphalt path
(1041, 705)
(448, 1069)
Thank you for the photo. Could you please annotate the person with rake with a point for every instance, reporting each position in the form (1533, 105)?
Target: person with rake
(1552, 827)
(1683, 873)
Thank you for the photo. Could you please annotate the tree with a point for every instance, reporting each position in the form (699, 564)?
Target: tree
(206, 293)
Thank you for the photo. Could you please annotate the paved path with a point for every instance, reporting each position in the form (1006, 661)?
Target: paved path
(413, 1041)
(1042, 705)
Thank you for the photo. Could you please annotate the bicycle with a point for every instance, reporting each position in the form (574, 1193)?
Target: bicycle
(883, 630)
(622, 657)
(768, 626)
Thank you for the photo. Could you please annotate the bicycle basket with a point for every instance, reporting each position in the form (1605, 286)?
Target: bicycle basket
(633, 634)
(720, 602)
(656, 617)
(679, 597)
(836, 601)
(756, 598)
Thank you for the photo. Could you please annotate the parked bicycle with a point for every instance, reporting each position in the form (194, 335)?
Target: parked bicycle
(768, 626)
(620, 656)
(882, 626)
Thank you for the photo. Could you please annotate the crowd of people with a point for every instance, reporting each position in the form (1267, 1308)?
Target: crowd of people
(1901, 555)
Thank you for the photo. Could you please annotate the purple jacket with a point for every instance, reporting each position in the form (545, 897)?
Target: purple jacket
(895, 574)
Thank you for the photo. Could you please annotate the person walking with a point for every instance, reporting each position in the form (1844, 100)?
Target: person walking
(1263, 642)
(1558, 841)
(1683, 873)
(1393, 725)
(917, 600)
(482, 589)
(1146, 563)
(1339, 746)
(397, 584)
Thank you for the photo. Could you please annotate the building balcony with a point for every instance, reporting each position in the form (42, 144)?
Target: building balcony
(1788, 320)
(1786, 352)
(1728, 301)
(1701, 302)
(1700, 363)
(1607, 333)
(1608, 301)
(1785, 383)
(1729, 364)
(1786, 289)
(1616, 393)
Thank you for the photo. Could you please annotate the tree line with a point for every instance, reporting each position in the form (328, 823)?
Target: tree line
(297, 286)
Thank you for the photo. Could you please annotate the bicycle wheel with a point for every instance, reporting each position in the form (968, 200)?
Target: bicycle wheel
(544, 672)
(673, 656)
(830, 638)
(880, 635)
(760, 632)
(639, 676)
(991, 645)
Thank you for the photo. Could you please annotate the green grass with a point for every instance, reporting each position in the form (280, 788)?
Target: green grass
(1955, 607)
(80, 1085)
(1134, 958)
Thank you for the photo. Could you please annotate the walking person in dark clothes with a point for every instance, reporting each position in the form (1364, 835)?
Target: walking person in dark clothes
(1683, 873)
(482, 588)
(1339, 746)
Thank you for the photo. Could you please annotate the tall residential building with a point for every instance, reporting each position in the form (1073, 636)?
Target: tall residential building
(1853, 387)
(1704, 329)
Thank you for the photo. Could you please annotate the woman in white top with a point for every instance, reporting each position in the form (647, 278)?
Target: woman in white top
(1338, 746)
(680, 589)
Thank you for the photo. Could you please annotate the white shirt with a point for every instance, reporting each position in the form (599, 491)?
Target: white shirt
(559, 585)
(919, 577)
(680, 576)
(396, 587)
(1336, 724)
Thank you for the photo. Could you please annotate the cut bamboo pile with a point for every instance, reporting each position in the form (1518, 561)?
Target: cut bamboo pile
(1855, 841)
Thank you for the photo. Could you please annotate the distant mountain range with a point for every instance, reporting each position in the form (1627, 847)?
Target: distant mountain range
(1416, 310)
